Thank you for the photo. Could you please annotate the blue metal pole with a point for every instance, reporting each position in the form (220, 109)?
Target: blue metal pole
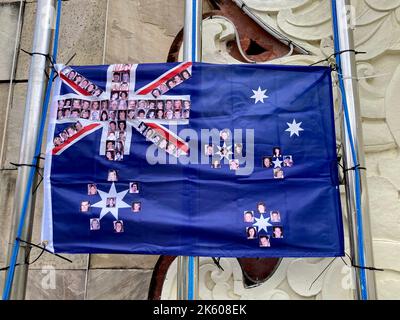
(356, 188)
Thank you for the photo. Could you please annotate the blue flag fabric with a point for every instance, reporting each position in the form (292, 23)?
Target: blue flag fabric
(193, 159)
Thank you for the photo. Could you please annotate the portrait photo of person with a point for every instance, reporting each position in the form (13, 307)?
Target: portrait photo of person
(94, 115)
(169, 114)
(104, 116)
(248, 216)
(276, 152)
(119, 146)
(216, 164)
(60, 115)
(156, 93)
(118, 226)
(238, 149)
(275, 216)
(61, 104)
(124, 87)
(104, 105)
(141, 114)
(131, 114)
(177, 114)
(64, 135)
(111, 202)
(133, 187)
(67, 113)
(112, 115)
(267, 162)
(119, 156)
(85, 105)
(113, 105)
(186, 104)
(111, 135)
(163, 88)
(112, 175)
(163, 144)
(78, 79)
(71, 131)
(122, 115)
(112, 126)
(121, 125)
(92, 189)
(131, 104)
(84, 83)
(85, 114)
(287, 161)
(114, 95)
(90, 88)
(151, 114)
(185, 114)
(208, 149)
(136, 206)
(233, 164)
(155, 139)
(75, 113)
(110, 145)
(264, 241)
(261, 207)
(110, 155)
(224, 134)
(122, 105)
(97, 92)
(278, 173)
(171, 148)
(159, 114)
(57, 141)
(142, 127)
(70, 75)
(277, 232)
(251, 233)
(76, 104)
(177, 79)
(85, 206)
(170, 83)
(94, 224)
(125, 77)
(123, 95)
(185, 74)
(116, 77)
(149, 133)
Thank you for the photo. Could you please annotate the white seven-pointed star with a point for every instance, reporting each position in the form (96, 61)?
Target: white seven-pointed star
(224, 151)
(262, 223)
(119, 204)
(294, 128)
(259, 95)
(277, 163)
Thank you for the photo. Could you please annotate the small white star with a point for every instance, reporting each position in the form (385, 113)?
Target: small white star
(259, 95)
(294, 128)
(277, 163)
(262, 223)
(119, 204)
(224, 151)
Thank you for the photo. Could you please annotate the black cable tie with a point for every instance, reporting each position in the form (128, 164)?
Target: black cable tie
(43, 248)
(216, 261)
(338, 53)
(356, 167)
(367, 268)
(26, 165)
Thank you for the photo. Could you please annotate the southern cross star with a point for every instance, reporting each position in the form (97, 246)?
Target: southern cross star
(294, 128)
(118, 203)
(262, 223)
(259, 95)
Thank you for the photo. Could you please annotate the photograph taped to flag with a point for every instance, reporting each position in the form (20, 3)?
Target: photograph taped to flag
(192, 159)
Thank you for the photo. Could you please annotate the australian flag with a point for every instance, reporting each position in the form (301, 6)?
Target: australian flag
(193, 159)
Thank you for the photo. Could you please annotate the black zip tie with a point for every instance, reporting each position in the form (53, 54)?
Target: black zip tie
(26, 165)
(356, 167)
(216, 261)
(338, 53)
(43, 248)
(360, 267)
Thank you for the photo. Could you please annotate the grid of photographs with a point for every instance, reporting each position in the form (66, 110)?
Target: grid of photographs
(82, 82)
(64, 136)
(171, 83)
(81, 108)
(120, 82)
(155, 109)
(158, 139)
(254, 232)
(277, 162)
